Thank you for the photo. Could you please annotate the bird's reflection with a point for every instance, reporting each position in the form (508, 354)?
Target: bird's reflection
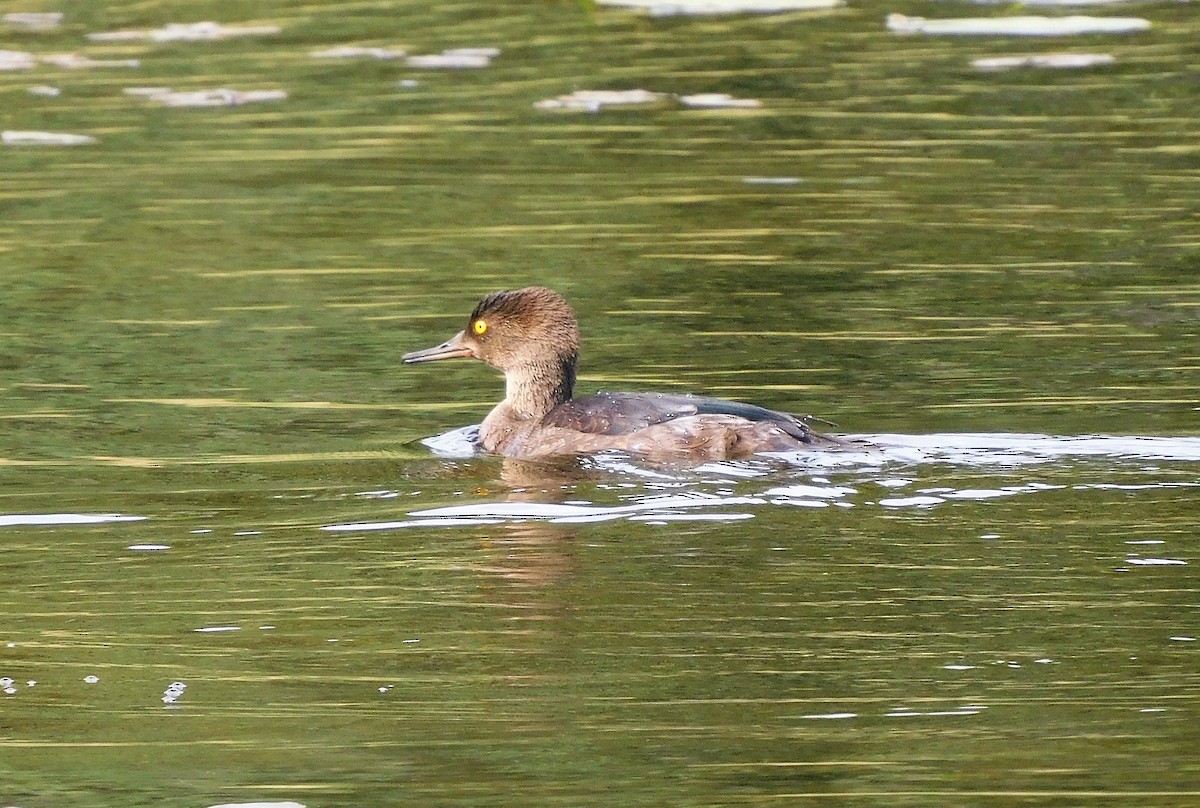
(536, 553)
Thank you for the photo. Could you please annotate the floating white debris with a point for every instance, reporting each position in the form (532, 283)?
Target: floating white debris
(356, 52)
(174, 692)
(33, 20)
(148, 547)
(1017, 26)
(1156, 562)
(661, 8)
(454, 58)
(44, 91)
(187, 32)
(220, 97)
(91, 679)
(16, 60)
(75, 61)
(217, 629)
(258, 805)
(718, 101)
(596, 100)
(1063, 61)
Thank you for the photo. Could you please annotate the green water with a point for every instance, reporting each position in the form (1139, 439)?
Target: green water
(203, 317)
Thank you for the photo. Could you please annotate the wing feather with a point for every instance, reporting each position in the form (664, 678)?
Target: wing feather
(623, 413)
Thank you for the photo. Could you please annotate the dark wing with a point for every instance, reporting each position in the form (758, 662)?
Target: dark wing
(622, 413)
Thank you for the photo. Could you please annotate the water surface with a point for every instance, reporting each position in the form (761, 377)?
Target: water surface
(234, 572)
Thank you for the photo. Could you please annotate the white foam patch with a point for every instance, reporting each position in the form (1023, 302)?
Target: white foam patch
(718, 101)
(596, 100)
(1016, 25)
(771, 180)
(1051, 3)
(1052, 61)
(219, 97)
(356, 52)
(75, 61)
(454, 59)
(911, 502)
(34, 20)
(16, 60)
(12, 137)
(13, 519)
(187, 32)
(671, 8)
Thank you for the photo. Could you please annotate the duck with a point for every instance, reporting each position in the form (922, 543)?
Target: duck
(531, 335)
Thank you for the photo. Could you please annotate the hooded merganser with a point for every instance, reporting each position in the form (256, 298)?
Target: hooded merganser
(531, 336)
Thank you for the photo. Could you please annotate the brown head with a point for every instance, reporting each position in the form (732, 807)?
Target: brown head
(530, 335)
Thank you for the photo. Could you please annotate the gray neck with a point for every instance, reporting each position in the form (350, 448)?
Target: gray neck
(532, 390)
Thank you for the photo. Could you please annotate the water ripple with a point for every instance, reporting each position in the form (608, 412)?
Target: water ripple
(872, 471)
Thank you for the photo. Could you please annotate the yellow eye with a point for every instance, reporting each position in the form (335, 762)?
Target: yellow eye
(479, 327)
